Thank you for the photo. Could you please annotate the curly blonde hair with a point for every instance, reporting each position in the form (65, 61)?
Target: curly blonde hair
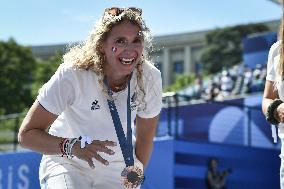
(281, 38)
(88, 55)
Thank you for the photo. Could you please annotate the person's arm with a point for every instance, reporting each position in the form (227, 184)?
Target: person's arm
(210, 179)
(270, 92)
(145, 132)
(223, 177)
(269, 95)
(33, 135)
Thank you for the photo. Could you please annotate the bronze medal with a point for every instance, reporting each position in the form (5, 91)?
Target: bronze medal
(132, 176)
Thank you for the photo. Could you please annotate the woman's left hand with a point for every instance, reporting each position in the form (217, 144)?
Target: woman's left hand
(279, 113)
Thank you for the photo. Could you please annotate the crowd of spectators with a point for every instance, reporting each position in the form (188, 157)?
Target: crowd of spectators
(238, 80)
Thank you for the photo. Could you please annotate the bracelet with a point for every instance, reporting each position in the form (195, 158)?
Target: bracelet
(270, 112)
(66, 146)
(69, 147)
(62, 144)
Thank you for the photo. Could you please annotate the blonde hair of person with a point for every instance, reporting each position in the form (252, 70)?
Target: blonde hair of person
(280, 37)
(88, 55)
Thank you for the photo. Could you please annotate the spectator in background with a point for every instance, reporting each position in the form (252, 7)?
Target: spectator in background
(216, 179)
(212, 91)
(234, 72)
(248, 76)
(226, 83)
(197, 88)
(239, 80)
(257, 82)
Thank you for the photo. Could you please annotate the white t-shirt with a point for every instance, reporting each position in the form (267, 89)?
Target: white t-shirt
(76, 96)
(272, 66)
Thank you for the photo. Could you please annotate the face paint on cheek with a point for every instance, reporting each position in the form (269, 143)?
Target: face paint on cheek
(113, 49)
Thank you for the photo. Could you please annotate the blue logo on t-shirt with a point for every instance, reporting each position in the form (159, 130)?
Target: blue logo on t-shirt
(95, 105)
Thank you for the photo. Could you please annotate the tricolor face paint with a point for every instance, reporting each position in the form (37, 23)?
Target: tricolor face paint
(113, 49)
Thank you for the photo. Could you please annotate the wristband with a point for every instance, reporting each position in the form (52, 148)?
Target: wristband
(270, 112)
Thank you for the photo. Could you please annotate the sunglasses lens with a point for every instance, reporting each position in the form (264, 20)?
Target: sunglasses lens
(113, 11)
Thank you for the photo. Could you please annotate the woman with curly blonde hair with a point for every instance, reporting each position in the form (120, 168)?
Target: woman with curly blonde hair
(83, 117)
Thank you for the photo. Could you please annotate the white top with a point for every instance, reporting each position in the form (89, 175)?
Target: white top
(272, 75)
(76, 96)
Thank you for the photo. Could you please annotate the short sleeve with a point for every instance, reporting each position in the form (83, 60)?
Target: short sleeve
(153, 96)
(58, 92)
(273, 52)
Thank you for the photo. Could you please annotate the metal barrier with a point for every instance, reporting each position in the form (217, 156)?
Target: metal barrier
(9, 126)
(237, 121)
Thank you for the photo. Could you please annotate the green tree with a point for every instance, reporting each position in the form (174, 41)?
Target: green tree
(44, 70)
(181, 82)
(224, 46)
(17, 64)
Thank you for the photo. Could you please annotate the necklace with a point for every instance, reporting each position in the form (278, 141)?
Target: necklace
(119, 88)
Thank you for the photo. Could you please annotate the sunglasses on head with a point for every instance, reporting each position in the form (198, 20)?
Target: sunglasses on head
(115, 11)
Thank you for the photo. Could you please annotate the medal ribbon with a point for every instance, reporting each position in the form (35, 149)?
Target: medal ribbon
(124, 142)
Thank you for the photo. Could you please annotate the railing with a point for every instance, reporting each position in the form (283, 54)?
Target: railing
(9, 126)
(237, 121)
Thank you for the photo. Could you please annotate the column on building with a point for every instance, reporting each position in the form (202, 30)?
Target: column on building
(166, 66)
(187, 60)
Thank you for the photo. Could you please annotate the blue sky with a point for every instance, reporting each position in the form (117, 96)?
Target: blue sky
(43, 22)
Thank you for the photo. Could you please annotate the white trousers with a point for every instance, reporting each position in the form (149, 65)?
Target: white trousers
(68, 176)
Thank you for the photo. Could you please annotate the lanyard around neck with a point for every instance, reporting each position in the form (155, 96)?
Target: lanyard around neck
(124, 142)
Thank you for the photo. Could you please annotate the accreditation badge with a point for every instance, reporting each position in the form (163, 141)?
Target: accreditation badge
(132, 176)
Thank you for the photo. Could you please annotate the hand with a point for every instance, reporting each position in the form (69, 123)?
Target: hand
(279, 113)
(91, 151)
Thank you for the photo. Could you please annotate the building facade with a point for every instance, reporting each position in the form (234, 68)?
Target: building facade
(173, 54)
